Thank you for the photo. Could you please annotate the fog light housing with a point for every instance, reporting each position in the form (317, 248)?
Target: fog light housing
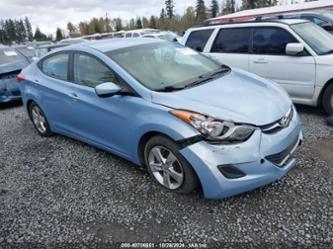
(230, 172)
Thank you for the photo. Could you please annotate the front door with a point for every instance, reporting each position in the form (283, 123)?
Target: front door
(296, 74)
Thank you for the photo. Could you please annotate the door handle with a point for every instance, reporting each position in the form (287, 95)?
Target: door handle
(73, 96)
(261, 61)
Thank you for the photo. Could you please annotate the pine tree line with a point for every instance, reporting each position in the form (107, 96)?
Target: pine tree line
(19, 31)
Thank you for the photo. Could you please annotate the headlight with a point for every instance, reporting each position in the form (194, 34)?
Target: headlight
(215, 130)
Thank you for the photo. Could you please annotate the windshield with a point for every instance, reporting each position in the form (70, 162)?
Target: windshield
(9, 55)
(161, 65)
(317, 38)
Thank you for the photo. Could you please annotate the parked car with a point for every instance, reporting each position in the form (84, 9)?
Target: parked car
(323, 18)
(137, 33)
(11, 63)
(27, 51)
(71, 41)
(166, 35)
(42, 50)
(159, 104)
(296, 54)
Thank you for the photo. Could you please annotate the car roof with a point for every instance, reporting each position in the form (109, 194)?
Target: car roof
(116, 43)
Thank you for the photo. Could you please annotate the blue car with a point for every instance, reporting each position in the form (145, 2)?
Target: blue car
(11, 63)
(189, 120)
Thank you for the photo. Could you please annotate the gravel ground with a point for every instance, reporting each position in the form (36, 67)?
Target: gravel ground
(57, 190)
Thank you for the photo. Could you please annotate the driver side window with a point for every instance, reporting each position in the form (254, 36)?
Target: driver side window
(91, 72)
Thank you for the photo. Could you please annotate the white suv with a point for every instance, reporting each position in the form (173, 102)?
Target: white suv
(296, 54)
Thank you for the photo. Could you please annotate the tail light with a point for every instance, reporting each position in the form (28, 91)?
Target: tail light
(20, 77)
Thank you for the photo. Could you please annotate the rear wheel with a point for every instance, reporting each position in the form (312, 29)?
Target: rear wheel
(168, 167)
(39, 120)
(328, 99)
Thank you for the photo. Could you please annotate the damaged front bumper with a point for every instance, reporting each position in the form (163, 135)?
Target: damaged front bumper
(226, 170)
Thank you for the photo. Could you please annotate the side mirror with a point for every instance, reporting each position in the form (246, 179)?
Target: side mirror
(327, 26)
(294, 49)
(107, 89)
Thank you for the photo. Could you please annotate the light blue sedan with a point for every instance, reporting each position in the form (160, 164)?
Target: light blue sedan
(190, 121)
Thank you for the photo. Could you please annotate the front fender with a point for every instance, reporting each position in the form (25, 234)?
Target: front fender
(160, 121)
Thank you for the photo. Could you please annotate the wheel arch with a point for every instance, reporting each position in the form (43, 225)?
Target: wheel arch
(320, 99)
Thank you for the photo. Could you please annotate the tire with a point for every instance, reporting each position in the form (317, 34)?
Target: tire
(39, 120)
(328, 99)
(182, 178)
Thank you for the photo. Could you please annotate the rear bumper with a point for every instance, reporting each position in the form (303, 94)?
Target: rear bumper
(250, 158)
(9, 91)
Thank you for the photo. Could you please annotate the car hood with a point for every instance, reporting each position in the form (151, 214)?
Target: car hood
(10, 67)
(238, 96)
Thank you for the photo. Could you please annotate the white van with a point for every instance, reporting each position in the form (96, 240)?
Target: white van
(297, 54)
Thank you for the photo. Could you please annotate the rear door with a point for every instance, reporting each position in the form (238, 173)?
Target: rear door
(231, 47)
(296, 74)
(53, 87)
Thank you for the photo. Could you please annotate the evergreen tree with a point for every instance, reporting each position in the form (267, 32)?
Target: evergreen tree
(214, 8)
(169, 7)
(229, 7)
(162, 15)
(118, 24)
(59, 34)
(152, 22)
(20, 31)
(200, 10)
(39, 36)
(28, 28)
(253, 4)
(138, 23)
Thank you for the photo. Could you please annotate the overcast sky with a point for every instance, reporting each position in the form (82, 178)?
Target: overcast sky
(50, 14)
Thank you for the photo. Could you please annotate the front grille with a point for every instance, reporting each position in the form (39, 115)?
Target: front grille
(280, 124)
(279, 158)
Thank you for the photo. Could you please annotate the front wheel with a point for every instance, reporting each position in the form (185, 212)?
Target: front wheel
(328, 99)
(168, 167)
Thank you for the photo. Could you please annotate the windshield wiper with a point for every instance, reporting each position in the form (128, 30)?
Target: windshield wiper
(170, 89)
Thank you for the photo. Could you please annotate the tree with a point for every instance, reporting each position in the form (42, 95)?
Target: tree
(253, 4)
(229, 7)
(162, 15)
(39, 36)
(169, 7)
(20, 31)
(138, 23)
(214, 8)
(71, 29)
(28, 28)
(152, 22)
(145, 22)
(200, 10)
(59, 34)
(118, 24)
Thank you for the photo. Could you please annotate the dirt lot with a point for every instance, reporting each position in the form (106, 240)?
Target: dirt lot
(56, 190)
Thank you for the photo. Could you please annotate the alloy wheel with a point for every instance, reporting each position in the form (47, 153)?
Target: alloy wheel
(165, 167)
(38, 119)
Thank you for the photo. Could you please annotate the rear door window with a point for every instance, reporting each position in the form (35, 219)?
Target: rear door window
(56, 66)
(271, 40)
(197, 39)
(232, 41)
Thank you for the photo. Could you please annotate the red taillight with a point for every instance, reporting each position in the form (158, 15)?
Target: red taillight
(20, 77)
